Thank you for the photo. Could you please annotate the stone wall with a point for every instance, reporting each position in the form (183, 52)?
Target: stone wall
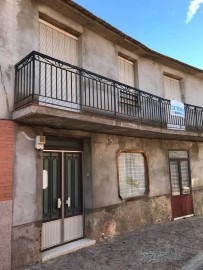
(26, 245)
(128, 216)
(5, 234)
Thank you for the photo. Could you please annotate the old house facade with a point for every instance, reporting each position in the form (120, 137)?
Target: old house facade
(88, 145)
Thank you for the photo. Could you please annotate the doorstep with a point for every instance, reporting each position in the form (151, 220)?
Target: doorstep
(67, 248)
(187, 216)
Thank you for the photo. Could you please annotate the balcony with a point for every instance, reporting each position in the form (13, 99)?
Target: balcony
(53, 93)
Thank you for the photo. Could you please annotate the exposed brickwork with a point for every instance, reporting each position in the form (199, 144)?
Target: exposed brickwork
(6, 159)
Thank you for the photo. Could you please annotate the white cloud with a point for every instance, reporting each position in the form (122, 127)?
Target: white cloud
(194, 6)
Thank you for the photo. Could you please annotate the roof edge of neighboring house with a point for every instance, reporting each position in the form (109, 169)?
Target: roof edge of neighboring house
(124, 36)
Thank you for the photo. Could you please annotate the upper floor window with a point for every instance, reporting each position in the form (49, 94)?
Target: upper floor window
(126, 71)
(172, 88)
(132, 172)
(58, 43)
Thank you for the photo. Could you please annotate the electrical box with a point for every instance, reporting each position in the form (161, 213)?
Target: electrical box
(40, 142)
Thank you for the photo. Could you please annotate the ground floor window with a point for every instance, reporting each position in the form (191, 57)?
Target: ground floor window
(132, 174)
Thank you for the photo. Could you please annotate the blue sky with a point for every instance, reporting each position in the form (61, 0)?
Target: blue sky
(171, 27)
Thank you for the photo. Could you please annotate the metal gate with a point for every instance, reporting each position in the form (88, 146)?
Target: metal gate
(62, 197)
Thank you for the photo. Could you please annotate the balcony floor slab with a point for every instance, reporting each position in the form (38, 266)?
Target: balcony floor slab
(37, 115)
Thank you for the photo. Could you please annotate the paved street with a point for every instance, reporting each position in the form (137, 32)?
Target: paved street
(172, 245)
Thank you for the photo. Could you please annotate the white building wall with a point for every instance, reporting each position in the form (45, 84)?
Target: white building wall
(99, 55)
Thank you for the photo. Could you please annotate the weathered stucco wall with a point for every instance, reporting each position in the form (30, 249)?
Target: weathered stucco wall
(27, 199)
(27, 27)
(104, 166)
(111, 216)
(151, 80)
(48, 12)
(196, 166)
(24, 209)
(99, 55)
(104, 155)
(7, 57)
(105, 213)
(18, 37)
(150, 77)
(193, 90)
(27, 204)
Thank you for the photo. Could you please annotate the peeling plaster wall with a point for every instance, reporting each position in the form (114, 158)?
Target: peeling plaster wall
(129, 216)
(104, 166)
(27, 200)
(105, 181)
(24, 209)
(111, 216)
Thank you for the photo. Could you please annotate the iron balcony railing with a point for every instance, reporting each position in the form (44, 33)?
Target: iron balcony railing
(50, 82)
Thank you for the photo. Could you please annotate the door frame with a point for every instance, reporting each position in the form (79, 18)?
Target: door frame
(180, 178)
(63, 199)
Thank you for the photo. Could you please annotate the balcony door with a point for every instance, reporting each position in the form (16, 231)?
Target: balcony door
(59, 86)
(181, 199)
(62, 198)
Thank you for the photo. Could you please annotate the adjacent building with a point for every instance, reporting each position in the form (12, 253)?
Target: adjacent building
(89, 147)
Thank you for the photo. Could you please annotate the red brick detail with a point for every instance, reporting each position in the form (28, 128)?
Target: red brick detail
(6, 159)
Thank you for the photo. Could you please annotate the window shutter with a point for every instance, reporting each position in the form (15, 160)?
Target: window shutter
(172, 88)
(58, 43)
(61, 87)
(126, 72)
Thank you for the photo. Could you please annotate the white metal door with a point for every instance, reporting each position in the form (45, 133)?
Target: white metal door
(62, 198)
